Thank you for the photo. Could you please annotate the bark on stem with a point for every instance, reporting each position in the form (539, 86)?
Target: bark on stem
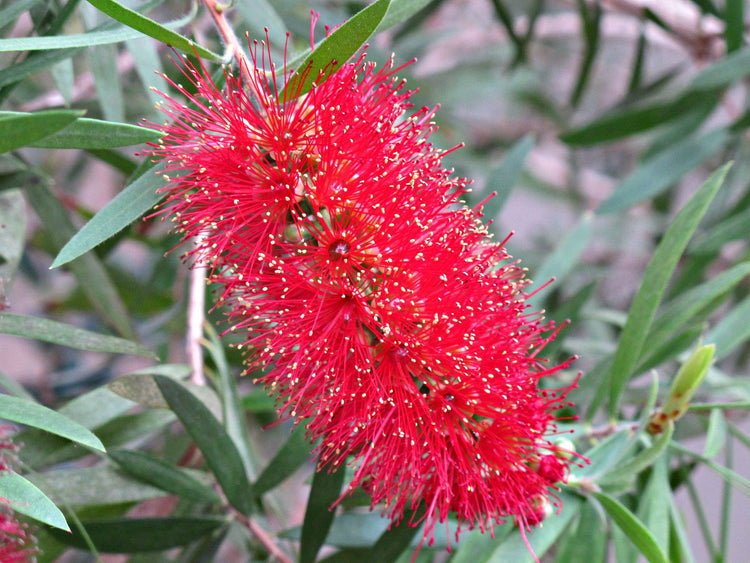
(233, 45)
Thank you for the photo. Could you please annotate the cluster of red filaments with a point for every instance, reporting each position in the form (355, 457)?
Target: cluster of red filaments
(17, 543)
(370, 296)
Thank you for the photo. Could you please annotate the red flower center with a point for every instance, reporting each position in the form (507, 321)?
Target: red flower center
(338, 250)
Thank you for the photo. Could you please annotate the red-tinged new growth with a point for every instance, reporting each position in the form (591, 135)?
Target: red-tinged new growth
(371, 297)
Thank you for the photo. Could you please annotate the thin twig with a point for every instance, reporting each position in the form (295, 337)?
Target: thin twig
(233, 45)
(195, 316)
(262, 536)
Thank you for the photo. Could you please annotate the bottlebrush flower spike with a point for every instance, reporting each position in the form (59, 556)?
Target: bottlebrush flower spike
(373, 299)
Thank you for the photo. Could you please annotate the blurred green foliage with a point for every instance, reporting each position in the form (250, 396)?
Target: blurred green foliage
(604, 127)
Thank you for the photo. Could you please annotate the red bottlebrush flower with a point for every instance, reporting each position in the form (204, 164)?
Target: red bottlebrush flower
(382, 314)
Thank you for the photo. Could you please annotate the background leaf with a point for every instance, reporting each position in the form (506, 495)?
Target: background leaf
(67, 335)
(212, 440)
(38, 416)
(27, 499)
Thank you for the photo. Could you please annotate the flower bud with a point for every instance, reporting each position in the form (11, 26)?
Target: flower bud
(683, 388)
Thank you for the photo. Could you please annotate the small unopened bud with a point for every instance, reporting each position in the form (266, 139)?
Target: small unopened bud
(683, 388)
(539, 509)
(551, 468)
(564, 448)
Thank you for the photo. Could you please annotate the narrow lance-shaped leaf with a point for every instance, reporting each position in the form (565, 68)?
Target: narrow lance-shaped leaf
(515, 547)
(326, 488)
(633, 528)
(628, 471)
(151, 28)
(654, 285)
(68, 335)
(335, 49)
(659, 172)
(396, 539)
(96, 134)
(22, 129)
(89, 39)
(212, 440)
(36, 415)
(127, 206)
(504, 178)
(163, 475)
(26, 498)
(131, 535)
(289, 458)
(89, 271)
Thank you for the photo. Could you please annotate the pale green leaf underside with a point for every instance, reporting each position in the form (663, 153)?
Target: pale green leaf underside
(68, 335)
(36, 415)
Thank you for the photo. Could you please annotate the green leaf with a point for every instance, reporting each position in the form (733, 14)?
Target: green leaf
(103, 66)
(654, 285)
(289, 458)
(564, 259)
(690, 308)
(396, 538)
(29, 66)
(654, 506)
(334, 50)
(164, 476)
(63, 74)
(95, 134)
(504, 178)
(716, 435)
(633, 529)
(140, 387)
(258, 401)
(15, 9)
(627, 472)
(20, 130)
(38, 416)
(127, 206)
(212, 440)
(326, 489)
(514, 548)
(232, 414)
(26, 498)
(12, 236)
(732, 477)
(260, 15)
(734, 228)
(399, 11)
(89, 271)
(131, 535)
(14, 388)
(91, 410)
(721, 74)
(78, 40)
(660, 171)
(588, 542)
(591, 32)
(732, 330)
(101, 485)
(618, 123)
(360, 531)
(148, 67)
(734, 27)
(151, 28)
(68, 335)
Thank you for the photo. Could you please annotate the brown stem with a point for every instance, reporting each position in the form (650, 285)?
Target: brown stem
(234, 47)
(262, 536)
(195, 316)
